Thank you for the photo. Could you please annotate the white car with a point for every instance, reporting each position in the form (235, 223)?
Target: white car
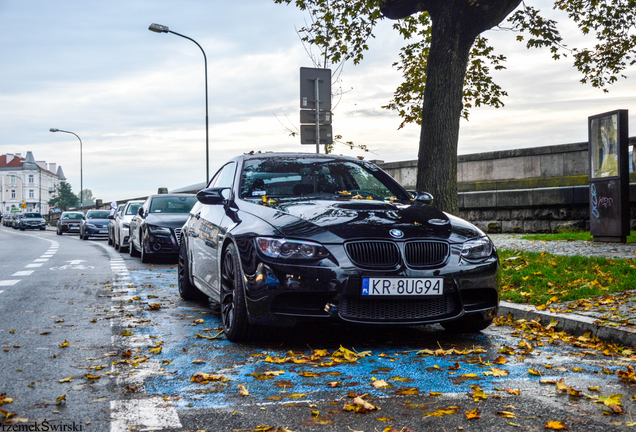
(120, 233)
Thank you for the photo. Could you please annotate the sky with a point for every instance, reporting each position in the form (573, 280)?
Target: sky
(137, 98)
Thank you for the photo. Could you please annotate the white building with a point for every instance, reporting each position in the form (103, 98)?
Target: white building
(25, 181)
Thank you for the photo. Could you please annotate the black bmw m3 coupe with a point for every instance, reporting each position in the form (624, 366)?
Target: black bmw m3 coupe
(281, 237)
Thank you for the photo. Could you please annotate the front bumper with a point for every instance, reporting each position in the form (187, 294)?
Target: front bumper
(96, 232)
(68, 228)
(282, 294)
(39, 226)
(161, 244)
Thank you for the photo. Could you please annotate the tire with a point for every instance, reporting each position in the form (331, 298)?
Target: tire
(133, 250)
(187, 291)
(59, 232)
(42, 229)
(22, 229)
(467, 324)
(110, 239)
(233, 309)
(145, 257)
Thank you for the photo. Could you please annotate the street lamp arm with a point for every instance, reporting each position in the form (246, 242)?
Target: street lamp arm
(81, 164)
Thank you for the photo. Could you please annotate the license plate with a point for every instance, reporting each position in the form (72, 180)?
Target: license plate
(103, 231)
(402, 286)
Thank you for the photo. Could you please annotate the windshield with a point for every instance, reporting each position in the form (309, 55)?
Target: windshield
(33, 215)
(97, 214)
(172, 204)
(317, 178)
(73, 216)
(133, 208)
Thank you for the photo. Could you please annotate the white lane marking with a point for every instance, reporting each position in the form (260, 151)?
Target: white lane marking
(9, 282)
(32, 265)
(148, 414)
(41, 260)
(1, 292)
(23, 273)
(47, 256)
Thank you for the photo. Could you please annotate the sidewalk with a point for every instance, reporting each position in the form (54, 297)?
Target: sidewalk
(611, 318)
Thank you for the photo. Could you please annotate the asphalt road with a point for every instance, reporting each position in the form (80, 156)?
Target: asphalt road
(136, 351)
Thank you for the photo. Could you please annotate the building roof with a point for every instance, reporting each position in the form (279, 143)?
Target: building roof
(10, 162)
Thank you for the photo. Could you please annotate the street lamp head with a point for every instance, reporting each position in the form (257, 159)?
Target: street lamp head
(158, 28)
(54, 130)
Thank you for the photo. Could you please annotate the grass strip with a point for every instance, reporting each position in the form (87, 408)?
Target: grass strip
(571, 236)
(542, 279)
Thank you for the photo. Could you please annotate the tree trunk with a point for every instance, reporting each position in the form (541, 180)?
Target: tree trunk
(447, 61)
(455, 25)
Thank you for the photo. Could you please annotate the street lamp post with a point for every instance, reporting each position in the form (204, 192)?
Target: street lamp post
(158, 28)
(81, 165)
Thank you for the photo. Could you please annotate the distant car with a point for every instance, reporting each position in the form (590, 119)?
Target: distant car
(15, 222)
(7, 219)
(111, 223)
(156, 229)
(281, 237)
(69, 222)
(121, 225)
(32, 221)
(94, 224)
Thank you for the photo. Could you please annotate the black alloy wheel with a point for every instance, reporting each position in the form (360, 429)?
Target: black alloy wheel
(58, 231)
(132, 250)
(233, 309)
(110, 239)
(187, 291)
(145, 256)
(116, 243)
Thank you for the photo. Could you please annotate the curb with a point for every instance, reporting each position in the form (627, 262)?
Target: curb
(571, 323)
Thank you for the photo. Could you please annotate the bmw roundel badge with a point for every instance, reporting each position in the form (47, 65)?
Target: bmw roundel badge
(396, 233)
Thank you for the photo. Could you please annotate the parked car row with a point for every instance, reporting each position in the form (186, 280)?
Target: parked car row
(24, 221)
(151, 228)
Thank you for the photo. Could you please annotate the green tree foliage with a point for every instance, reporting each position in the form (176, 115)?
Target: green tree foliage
(64, 198)
(446, 63)
(87, 196)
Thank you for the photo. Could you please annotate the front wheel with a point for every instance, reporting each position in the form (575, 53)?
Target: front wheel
(145, 257)
(131, 249)
(233, 309)
(187, 291)
(467, 324)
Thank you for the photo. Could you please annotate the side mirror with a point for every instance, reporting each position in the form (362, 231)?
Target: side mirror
(424, 198)
(140, 212)
(212, 196)
(110, 217)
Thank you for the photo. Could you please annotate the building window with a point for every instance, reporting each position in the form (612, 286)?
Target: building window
(31, 193)
(12, 179)
(30, 178)
(12, 193)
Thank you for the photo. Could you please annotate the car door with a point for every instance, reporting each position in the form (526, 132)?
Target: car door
(208, 222)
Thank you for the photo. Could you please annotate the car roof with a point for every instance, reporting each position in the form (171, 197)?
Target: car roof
(170, 195)
(269, 155)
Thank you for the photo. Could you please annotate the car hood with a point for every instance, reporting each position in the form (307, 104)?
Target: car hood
(98, 221)
(70, 221)
(169, 220)
(334, 221)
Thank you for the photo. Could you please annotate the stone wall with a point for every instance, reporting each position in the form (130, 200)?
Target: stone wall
(540, 189)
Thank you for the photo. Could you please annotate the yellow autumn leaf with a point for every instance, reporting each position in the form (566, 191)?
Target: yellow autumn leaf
(243, 391)
(67, 379)
(506, 414)
(60, 399)
(379, 383)
(126, 333)
(473, 414)
(555, 425)
(64, 344)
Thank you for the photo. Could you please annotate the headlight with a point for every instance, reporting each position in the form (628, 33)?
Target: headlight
(126, 225)
(161, 231)
(290, 249)
(477, 249)
(91, 225)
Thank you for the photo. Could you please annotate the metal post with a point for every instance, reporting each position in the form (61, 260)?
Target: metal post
(317, 88)
(81, 165)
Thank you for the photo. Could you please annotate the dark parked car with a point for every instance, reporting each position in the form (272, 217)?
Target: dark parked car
(7, 219)
(32, 221)
(156, 229)
(94, 224)
(15, 222)
(277, 238)
(69, 222)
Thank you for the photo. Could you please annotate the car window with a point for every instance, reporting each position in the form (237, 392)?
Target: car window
(317, 177)
(133, 208)
(73, 216)
(225, 177)
(100, 214)
(172, 204)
